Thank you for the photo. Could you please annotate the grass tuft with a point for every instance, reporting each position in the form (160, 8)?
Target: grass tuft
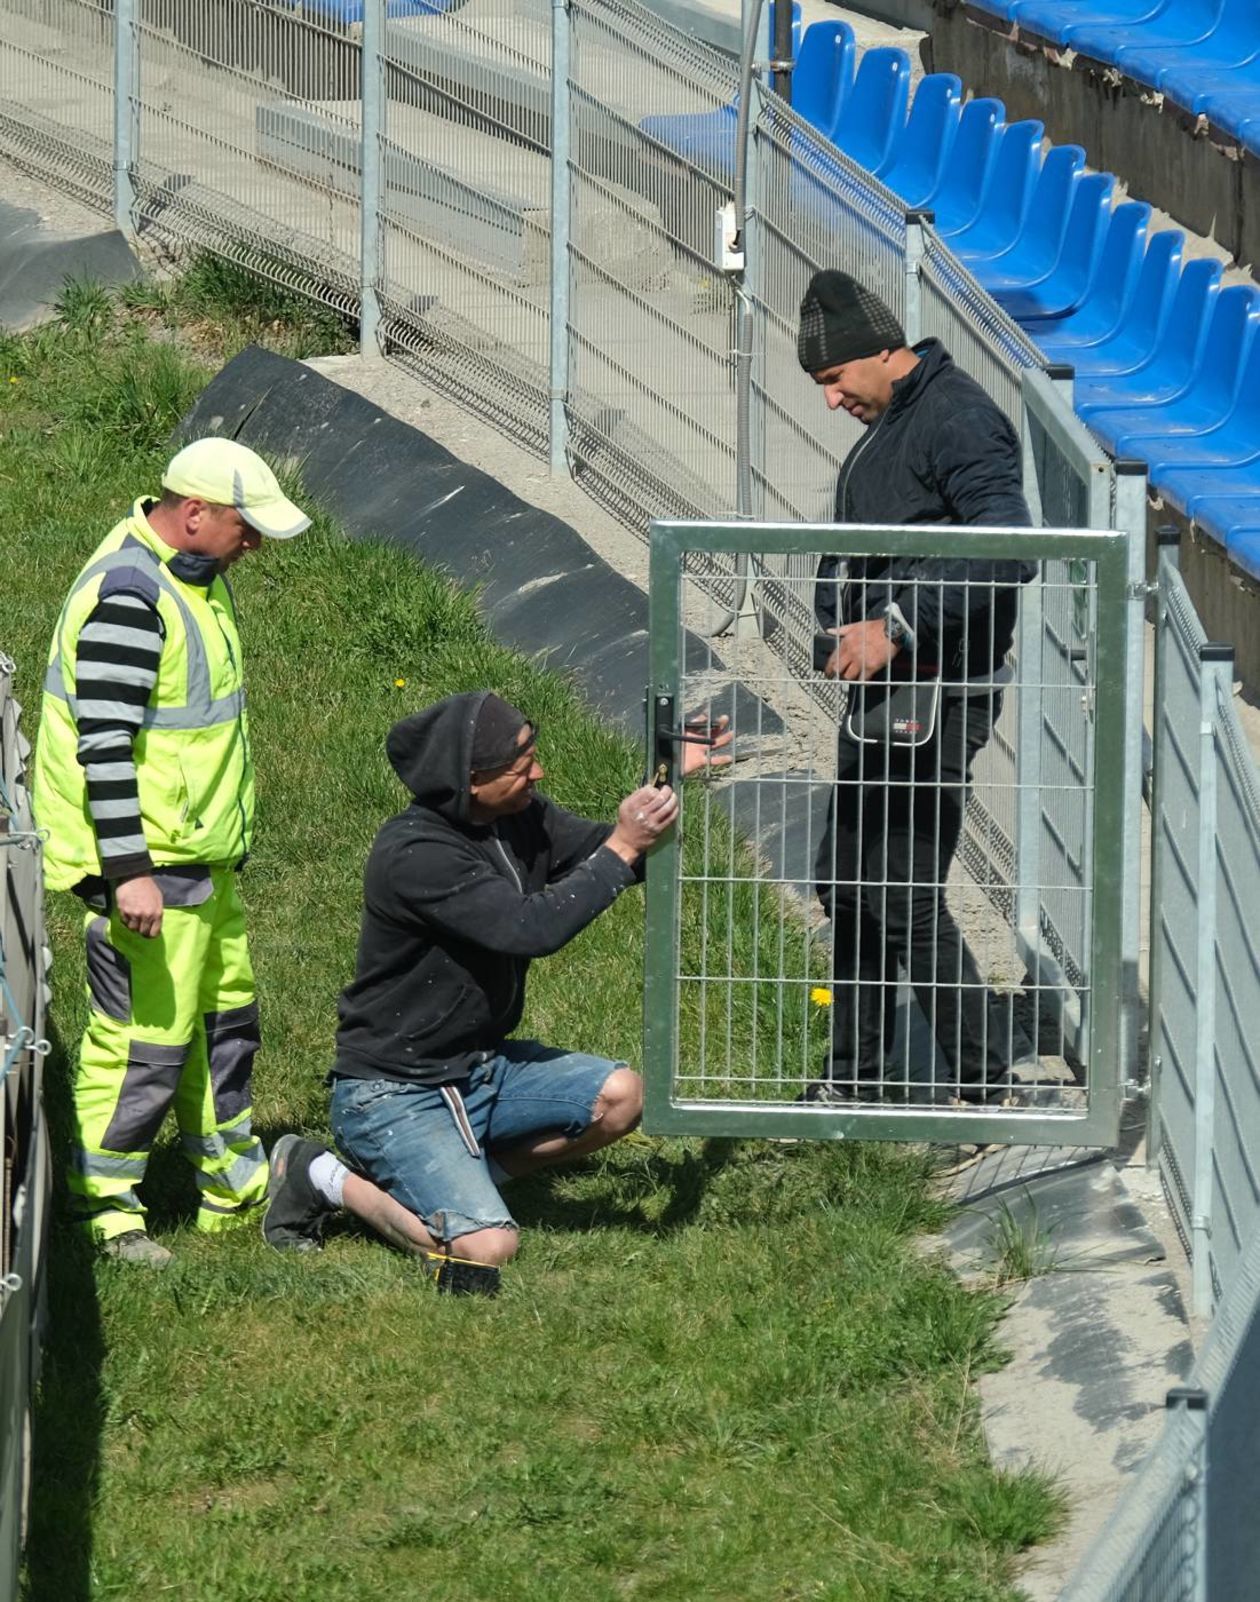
(718, 1369)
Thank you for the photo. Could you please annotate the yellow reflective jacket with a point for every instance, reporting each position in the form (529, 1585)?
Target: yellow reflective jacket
(194, 769)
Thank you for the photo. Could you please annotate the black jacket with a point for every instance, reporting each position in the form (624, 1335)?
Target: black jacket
(941, 453)
(454, 911)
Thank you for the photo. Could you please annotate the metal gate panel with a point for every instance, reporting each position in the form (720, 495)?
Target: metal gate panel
(740, 981)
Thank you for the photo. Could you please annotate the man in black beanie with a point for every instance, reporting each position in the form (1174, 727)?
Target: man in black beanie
(434, 1103)
(924, 643)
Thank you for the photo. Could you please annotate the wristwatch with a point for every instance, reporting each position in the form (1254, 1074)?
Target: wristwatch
(896, 630)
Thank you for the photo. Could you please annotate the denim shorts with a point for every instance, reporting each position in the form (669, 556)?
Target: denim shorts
(428, 1148)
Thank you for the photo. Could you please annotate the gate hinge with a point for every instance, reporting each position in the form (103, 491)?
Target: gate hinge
(1139, 589)
(1136, 1090)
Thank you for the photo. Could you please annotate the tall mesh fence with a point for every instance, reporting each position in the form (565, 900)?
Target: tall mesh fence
(24, 1199)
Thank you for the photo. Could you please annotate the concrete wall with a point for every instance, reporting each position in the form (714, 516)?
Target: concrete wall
(1201, 177)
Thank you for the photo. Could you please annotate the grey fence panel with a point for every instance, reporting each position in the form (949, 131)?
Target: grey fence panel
(24, 1193)
(1236, 1131)
(57, 93)
(466, 207)
(1175, 915)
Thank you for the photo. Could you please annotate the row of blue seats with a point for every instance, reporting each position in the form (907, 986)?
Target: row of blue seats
(1160, 350)
(1202, 54)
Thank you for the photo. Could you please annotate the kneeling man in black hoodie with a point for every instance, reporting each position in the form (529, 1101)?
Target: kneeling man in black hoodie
(433, 1103)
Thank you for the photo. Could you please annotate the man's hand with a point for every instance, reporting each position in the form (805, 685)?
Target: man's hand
(864, 651)
(139, 903)
(696, 757)
(642, 818)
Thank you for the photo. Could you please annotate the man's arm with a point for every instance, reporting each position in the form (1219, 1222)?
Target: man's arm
(474, 900)
(116, 664)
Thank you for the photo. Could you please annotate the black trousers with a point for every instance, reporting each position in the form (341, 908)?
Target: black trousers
(894, 826)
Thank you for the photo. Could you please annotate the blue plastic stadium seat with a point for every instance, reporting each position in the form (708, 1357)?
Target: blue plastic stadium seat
(874, 113)
(1237, 111)
(1232, 41)
(1058, 20)
(1208, 400)
(1137, 337)
(1042, 220)
(1191, 488)
(705, 138)
(1172, 360)
(1193, 88)
(923, 153)
(1111, 293)
(1233, 442)
(958, 196)
(824, 73)
(1067, 281)
(1180, 23)
(1007, 193)
(1243, 546)
(1231, 515)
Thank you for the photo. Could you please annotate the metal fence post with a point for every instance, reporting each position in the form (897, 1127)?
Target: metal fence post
(561, 200)
(125, 75)
(916, 247)
(372, 89)
(1192, 1402)
(1216, 663)
(1129, 514)
(1167, 541)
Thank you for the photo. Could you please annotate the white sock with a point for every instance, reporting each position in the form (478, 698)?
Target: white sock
(328, 1175)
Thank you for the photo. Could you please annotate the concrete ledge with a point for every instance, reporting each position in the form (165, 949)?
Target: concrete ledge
(1201, 176)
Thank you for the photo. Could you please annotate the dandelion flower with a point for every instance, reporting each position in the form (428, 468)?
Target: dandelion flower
(400, 684)
(820, 997)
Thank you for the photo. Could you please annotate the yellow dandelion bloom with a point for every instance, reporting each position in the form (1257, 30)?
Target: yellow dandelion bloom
(820, 997)
(400, 684)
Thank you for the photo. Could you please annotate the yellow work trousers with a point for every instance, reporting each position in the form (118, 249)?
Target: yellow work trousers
(173, 1023)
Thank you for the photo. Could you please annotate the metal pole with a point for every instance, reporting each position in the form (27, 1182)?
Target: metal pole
(1167, 542)
(372, 86)
(561, 200)
(1129, 514)
(916, 248)
(783, 53)
(124, 114)
(1216, 666)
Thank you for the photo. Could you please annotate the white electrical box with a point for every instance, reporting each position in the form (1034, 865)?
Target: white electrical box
(726, 257)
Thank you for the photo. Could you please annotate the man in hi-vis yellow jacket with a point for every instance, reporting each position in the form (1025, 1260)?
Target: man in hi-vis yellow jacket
(144, 783)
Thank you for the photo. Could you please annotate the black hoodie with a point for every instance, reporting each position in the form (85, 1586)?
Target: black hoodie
(454, 910)
(941, 453)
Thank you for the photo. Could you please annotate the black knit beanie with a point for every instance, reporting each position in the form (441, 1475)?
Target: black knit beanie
(841, 321)
(495, 734)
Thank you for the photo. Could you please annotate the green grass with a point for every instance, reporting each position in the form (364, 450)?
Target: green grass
(717, 1370)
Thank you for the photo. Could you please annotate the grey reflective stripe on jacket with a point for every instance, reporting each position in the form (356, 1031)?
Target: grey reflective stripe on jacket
(200, 709)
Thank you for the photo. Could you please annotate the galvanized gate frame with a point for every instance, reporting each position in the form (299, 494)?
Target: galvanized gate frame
(1098, 1124)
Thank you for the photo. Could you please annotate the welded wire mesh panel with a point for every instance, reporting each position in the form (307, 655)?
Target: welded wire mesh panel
(57, 93)
(1149, 1551)
(652, 394)
(465, 207)
(1175, 844)
(248, 138)
(1236, 1127)
(853, 964)
(978, 334)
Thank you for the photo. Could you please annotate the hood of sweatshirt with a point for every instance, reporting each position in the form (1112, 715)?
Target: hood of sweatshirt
(431, 752)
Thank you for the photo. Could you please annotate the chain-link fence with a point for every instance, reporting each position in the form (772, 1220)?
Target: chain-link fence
(24, 1199)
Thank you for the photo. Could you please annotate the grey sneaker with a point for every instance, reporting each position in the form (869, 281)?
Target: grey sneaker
(294, 1219)
(136, 1247)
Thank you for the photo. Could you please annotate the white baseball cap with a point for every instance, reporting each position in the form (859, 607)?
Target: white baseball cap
(227, 474)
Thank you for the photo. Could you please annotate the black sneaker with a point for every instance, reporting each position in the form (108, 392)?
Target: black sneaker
(294, 1219)
(460, 1276)
(841, 1092)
